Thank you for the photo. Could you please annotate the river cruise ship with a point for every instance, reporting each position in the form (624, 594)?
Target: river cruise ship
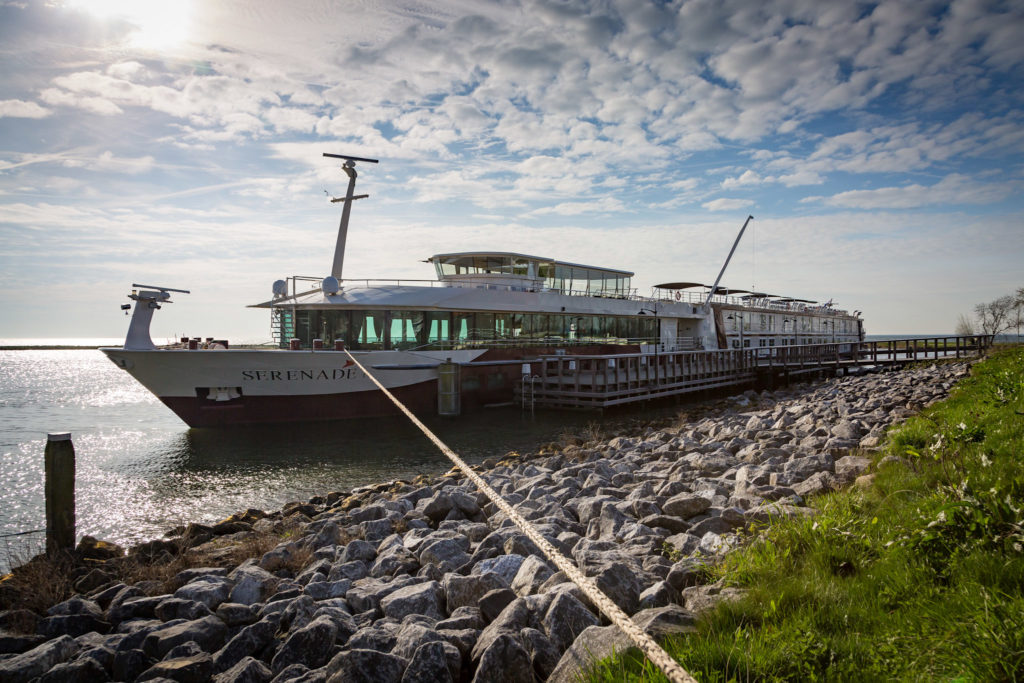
(491, 313)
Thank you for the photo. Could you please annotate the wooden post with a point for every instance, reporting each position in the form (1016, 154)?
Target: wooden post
(60, 492)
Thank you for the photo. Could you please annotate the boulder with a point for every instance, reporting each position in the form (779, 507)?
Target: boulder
(434, 662)
(531, 575)
(503, 660)
(248, 670)
(311, 645)
(249, 641)
(209, 633)
(84, 670)
(253, 584)
(505, 566)
(366, 666)
(462, 591)
(685, 505)
(565, 619)
(37, 661)
(180, 608)
(424, 598)
(193, 669)
(599, 642)
(209, 590)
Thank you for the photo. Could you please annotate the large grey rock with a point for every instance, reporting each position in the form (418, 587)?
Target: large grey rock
(819, 482)
(434, 662)
(179, 608)
(395, 560)
(277, 558)
(494, 602)
(411, 636)
(448, 553)
(130, 663)
(193, 669)
(366, 666)
(504, 660)
(325, 590)
(138, 607)
(209, 590)
(424, 598)
(208, 632)
(358, 550)
(515, 617)
(565, 619)
(249, 641)
(531, 575)
(850, 467)
(462, 591)
(311, 645)
(248, 670)
(252, 584)
(37, 661)
(799, 469)
(236, 614)
(73, 625)
(83, 670)
(685, 505)
(544, 655)
(505, 566)
(353, 571)
(598, 642)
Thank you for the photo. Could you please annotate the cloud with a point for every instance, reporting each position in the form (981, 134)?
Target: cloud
(748, 177)
(725, 204)
(953, 189)
(602, 205)
(22, 109)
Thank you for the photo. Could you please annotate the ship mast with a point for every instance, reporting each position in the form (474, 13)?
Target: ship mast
(350, 170)
(714, 287)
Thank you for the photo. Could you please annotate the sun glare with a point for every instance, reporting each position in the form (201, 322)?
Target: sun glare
(157, 24)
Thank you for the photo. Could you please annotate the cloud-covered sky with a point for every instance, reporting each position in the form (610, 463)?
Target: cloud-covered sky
(878, 145)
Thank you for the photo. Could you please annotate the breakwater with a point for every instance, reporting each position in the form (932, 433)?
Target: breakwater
(425, 580)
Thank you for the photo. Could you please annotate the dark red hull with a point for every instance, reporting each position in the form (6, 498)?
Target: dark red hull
(201, 412)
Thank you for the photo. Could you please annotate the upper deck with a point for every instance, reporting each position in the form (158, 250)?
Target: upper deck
(532, 272)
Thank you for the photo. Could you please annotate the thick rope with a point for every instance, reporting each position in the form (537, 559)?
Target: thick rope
(647, 645)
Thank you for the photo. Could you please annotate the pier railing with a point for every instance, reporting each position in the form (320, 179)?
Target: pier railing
(595, 381)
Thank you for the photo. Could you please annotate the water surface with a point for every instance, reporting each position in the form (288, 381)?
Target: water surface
(140, 470)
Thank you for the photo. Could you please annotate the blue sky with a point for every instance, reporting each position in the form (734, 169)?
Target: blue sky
(878, 145)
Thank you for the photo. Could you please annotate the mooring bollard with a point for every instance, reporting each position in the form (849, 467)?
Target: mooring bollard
(60, 492)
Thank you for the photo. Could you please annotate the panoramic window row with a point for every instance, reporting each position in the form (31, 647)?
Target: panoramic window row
(378, 329)
(559, 277)
(787, 323)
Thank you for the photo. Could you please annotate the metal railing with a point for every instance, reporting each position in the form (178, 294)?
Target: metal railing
(596, 381)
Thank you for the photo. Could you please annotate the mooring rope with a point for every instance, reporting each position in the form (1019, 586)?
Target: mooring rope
(647, 645)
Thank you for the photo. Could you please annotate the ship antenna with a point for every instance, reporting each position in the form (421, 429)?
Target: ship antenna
(714, 287)
(350, 170)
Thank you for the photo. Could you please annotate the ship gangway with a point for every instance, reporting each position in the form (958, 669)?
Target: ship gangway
(604, 381)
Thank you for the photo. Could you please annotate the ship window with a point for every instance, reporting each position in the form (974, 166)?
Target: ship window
(484, 328)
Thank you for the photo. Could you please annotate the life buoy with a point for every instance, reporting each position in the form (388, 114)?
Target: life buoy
(678, 296)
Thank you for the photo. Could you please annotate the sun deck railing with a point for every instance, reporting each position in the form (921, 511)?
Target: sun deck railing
(295, 281)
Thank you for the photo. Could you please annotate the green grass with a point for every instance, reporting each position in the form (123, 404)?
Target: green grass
(918, 577)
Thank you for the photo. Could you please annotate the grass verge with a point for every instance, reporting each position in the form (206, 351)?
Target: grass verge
(917, 577)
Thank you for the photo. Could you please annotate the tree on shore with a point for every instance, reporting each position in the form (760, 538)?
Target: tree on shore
(994, 317)
(964, 326)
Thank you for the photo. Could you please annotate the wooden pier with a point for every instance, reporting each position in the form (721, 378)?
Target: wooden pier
(604, 381)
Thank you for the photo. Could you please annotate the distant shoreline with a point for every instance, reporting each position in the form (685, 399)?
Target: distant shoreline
(54, 347)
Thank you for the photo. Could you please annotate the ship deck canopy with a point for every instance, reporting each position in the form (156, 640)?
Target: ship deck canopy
(555, 275)
(679, 285)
